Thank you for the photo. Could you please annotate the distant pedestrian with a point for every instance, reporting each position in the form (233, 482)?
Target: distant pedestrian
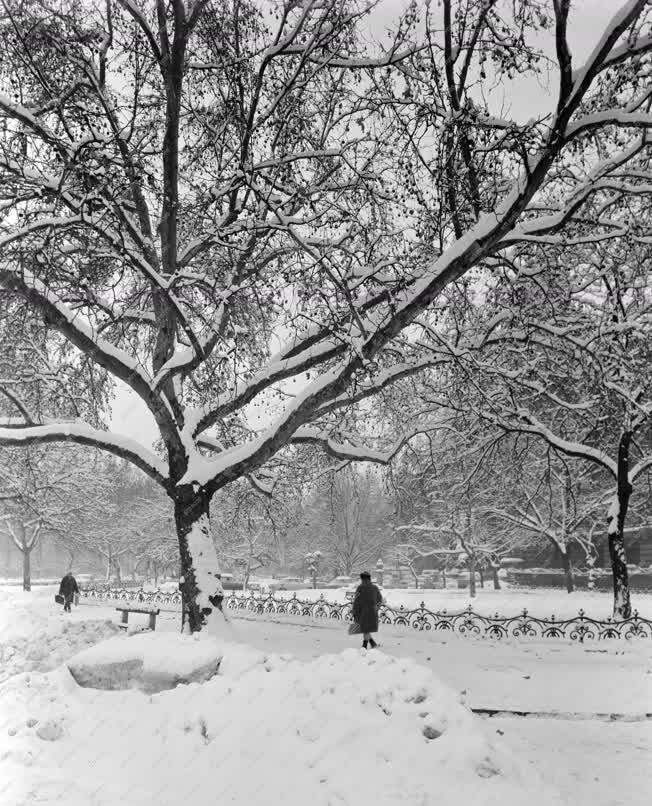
(68, 588)
(366, 603)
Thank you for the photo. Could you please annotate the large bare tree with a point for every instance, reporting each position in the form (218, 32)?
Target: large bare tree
(233, 207)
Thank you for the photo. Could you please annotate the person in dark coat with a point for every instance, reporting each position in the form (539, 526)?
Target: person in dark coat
(68, 588)
(366, 604)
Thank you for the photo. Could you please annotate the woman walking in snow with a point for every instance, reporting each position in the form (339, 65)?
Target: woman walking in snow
(366, 604)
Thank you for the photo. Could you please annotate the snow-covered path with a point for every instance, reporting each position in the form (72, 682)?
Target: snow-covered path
(502, 674)
(514, 674)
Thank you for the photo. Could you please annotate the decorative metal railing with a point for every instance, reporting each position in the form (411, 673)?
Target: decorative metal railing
(579, 628)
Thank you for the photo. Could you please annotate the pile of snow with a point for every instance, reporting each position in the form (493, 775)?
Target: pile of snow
(150, 662)
(35, 634)
(47, 649)
(352, 728)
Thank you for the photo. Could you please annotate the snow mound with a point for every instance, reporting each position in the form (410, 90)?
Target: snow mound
(150, 662)
(352, 728)
(36, 635)
(49, 646)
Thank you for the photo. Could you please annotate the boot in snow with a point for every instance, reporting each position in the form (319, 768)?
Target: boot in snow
(364, 644)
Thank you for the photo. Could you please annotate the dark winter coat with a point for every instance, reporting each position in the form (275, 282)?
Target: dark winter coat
(68, 587)
(366, 602)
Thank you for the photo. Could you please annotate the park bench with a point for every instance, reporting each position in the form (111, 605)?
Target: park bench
(152, 612)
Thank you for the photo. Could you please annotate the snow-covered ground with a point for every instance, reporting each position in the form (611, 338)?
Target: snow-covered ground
(543, 602)
(292, 718)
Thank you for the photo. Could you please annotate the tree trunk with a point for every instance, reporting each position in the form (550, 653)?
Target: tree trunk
(567, 565)
(27, 570)
(481, 572)
(472, 590)
(616, 533)
(443, 578)
(416, 578)
(199, 563)
(496, 578)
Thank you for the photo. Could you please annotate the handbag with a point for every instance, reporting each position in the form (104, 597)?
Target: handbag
(354, 628)
(58, 598)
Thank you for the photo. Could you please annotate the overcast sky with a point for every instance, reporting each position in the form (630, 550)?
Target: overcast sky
(522, 99)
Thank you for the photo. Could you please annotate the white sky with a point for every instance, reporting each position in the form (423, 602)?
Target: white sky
(522, 98)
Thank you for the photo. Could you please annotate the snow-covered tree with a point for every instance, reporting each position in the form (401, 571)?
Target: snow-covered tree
(150, 524)
(241, 207)
(313, 561)
(249, 524)
(570, 365)
(41, 493)
(558, 502)
(347, 516)
(451, 486)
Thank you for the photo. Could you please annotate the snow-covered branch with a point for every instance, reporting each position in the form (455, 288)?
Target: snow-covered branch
(83, 434)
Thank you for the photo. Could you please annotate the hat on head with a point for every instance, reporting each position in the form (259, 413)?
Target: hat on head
(365, 575)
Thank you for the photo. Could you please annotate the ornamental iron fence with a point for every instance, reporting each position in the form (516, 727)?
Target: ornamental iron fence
(467, 622)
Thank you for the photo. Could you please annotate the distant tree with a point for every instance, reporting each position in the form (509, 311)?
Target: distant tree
(313, 560)
(558, 502)
(569, 365)
(41, 493)
(347, 516)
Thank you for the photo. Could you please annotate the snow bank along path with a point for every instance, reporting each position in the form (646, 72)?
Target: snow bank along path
(352, 728)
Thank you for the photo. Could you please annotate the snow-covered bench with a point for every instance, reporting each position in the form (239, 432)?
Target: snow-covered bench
(152, 612)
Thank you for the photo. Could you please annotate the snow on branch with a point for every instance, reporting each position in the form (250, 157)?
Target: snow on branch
(531, 425)
(76, 331)
(349, 451)
(84, 434)
(606, 48)
(640, 468)
(609, 117)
